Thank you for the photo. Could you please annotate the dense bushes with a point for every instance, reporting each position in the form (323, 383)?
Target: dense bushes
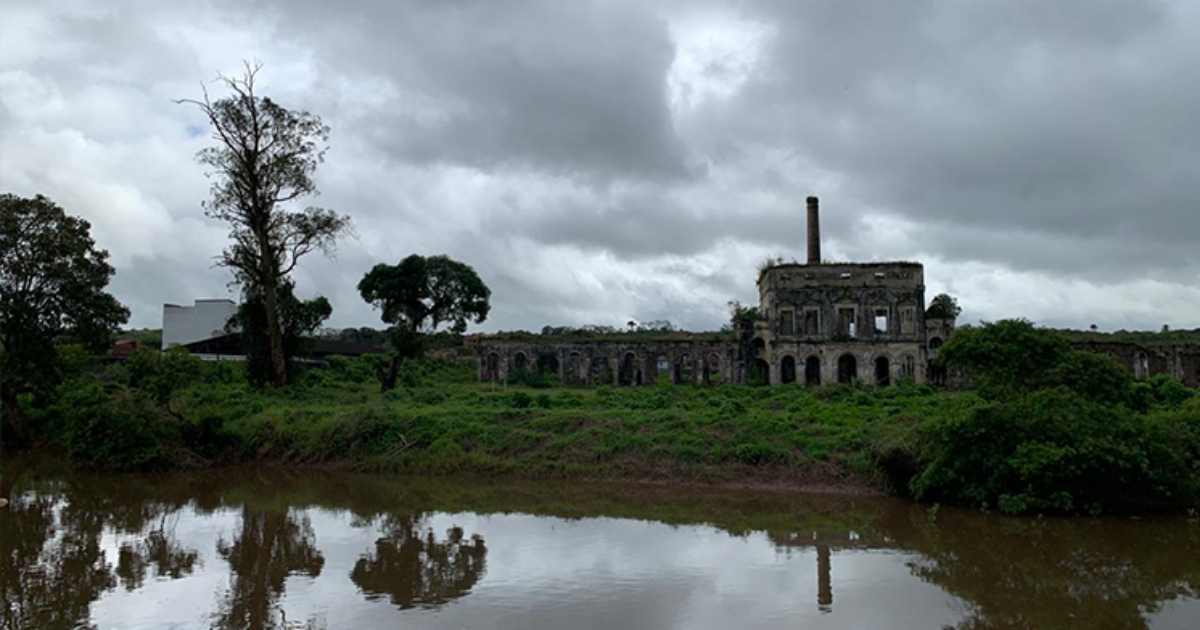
(109, 427)
(1065, 431)
(1056, 450)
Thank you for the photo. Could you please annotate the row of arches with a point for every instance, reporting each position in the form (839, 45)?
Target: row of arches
(847, 370)
(687, 368)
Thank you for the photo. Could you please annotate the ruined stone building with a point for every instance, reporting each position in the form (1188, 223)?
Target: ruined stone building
(820, 323)
(1181, 362)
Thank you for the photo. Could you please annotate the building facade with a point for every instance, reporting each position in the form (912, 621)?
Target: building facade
(818, 323)
(183, 325)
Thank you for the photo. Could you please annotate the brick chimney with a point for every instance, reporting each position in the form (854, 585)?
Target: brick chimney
(814, 232)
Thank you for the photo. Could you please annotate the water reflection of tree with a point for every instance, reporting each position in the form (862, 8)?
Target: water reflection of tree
(270, 546)
(52, 566)
(157, 549)
(49, 573)
(413, 568)
(1060, 574)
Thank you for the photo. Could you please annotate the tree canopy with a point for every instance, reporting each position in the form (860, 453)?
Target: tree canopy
(943, 306)
(421, 294)
(52, 289)
(265, 159)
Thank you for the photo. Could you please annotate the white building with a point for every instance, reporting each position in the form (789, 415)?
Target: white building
(188, 324)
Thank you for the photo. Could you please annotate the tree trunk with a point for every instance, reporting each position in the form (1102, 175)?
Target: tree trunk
(278, 360)
(387, 380)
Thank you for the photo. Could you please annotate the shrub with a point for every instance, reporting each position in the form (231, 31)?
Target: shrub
(537, 379)
(110, 427)
(1057, 451)
(1005, 356)
(521, 400)
(161, 374)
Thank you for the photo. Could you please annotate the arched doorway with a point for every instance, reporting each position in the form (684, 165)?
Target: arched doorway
(662, 368)
(788, 370)
(628, 373)
(520, 361)
(760, 373)
(575, 369)
(685, 370)
(908, 367)
(491, 367)
(812, 371)
(883, 372)
(847, 369)
(548, 363)
(712, 371)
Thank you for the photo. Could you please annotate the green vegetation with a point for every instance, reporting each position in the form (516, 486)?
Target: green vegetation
(943, 306)
(1165, 337)
(1061, 431)
(171, 408)
(52, 293)
(264, 160)
(419, 295)
(298, 320)
(1043, 429)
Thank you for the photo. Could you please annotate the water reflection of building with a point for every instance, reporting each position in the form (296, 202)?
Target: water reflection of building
(824, 543)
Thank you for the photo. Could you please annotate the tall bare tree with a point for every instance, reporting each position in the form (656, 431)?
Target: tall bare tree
(264, 160)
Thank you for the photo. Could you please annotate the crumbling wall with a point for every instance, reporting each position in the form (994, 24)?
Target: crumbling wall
(616, 362)
(1181, 362)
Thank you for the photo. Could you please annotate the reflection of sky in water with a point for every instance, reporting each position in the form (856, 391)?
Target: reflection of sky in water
(554, 573)
(592, 573)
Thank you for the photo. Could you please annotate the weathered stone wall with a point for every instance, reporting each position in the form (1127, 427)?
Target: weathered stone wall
(895, 288)
(1181, 362)
(585, 361)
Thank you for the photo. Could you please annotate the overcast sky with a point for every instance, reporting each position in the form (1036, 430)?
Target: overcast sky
(604, 161)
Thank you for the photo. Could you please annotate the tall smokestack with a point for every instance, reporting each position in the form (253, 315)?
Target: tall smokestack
(814, 231)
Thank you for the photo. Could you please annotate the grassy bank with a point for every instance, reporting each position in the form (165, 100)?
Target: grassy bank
(1053, 449)
(176, 410)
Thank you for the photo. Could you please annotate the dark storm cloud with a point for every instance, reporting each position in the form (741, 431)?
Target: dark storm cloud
(600, 161)
(572, 88)
(1071, 120)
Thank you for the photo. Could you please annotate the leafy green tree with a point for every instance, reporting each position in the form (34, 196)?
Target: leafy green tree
(265, 159)
(943, 306)
(52, 289)
(418, 296)
(298, 320)
(1011, 354)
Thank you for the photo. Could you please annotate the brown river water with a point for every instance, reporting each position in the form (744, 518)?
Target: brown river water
(271, 549)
